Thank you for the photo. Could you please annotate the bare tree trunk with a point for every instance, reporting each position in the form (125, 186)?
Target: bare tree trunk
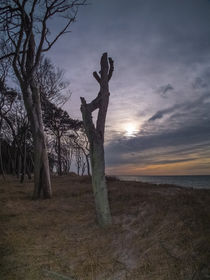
(28, 172)
(32, 102)
(96, 139)
(78, 159)
(23, 166)
(41, 169)
(12, 158)
(42, 181)
(1, 163)
(28, 164)
(88, 164)
(59, 156)
(99, 185)
(18, 165)
(69, 161)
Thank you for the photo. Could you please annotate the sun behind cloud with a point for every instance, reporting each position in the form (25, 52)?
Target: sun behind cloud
(130, 129)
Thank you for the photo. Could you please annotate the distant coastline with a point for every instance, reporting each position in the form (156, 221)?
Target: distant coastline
(188, 181)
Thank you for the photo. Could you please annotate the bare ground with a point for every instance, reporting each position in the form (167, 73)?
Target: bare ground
(158, 233)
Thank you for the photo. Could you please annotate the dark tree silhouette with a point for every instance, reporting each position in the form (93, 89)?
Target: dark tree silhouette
(52, 85)
(25, 27)
(15, 134)
(58, 123)
(7, 97)
(95, 136)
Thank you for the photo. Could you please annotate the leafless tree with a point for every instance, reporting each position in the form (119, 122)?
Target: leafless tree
(59, 124)
(78, 159)
(7, 97)
(67, 155)
(15, 133)
(80, 140)
(26, 36)
(52, 85)
(95, 136)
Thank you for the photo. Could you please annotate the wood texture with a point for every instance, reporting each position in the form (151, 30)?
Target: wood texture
(95, 134)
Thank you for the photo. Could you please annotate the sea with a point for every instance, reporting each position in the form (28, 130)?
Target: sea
(188, 181)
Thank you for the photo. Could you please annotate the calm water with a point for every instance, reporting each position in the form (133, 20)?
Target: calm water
(197, 182)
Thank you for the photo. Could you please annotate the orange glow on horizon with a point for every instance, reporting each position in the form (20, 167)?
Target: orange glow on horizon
(195, 167)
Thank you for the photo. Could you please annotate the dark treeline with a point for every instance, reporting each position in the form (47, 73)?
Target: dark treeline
(40, 137)
(66, 141)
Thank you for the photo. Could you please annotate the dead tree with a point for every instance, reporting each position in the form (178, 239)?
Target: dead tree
(95, 134)
(26, 33)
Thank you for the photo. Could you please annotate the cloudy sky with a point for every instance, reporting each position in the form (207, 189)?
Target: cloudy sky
(158, 120)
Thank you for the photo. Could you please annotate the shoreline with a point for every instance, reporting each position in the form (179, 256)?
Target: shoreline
(191, 182)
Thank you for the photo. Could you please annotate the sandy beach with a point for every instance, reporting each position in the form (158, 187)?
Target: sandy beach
(158, 232)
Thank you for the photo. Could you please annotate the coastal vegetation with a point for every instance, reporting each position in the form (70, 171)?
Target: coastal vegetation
(158, 232)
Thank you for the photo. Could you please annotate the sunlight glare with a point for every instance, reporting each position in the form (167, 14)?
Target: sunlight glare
(130, 129)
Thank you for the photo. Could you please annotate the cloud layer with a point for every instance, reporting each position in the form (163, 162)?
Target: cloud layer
(160, 85)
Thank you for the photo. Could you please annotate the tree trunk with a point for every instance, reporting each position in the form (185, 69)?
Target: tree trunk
(1, 163)
(19, 165)
(59, 156)
(96, 139)
(24, 70)
(42, 181)
(88, 165)
(99, 185)
(23, 156)
(28, 171)
(12, 159)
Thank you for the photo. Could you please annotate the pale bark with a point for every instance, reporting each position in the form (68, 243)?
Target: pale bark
(96, 139)
(41, 169)
(99, 185)
(42, 181)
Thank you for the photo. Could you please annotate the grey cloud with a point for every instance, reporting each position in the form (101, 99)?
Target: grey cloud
(183, 107)
(152, 43)
(199, 83)
(160, 114)
(182, 143)
(164, 90)
(184, 132)
(167, 161)
(183, 136)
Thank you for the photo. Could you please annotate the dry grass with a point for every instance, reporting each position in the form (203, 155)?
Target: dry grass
(158, 233)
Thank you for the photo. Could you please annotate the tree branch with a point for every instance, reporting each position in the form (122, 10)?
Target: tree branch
(87, 118)
(96, 76)
(104, 66)
(10, 54)
(111, 68)
(58, 35)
